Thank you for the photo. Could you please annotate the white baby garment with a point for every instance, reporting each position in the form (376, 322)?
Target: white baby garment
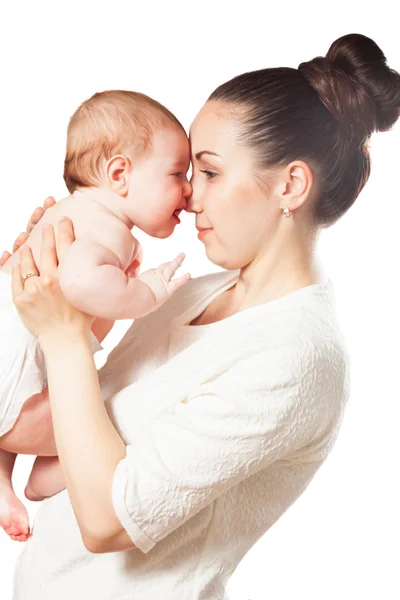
(22, 366)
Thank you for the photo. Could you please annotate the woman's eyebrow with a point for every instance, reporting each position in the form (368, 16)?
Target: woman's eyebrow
(198, 155)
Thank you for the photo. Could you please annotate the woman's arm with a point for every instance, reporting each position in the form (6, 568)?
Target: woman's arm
(88, 446)
(282, 403)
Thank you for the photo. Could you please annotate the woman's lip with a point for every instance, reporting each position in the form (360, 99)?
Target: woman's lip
(177, 218)
(203, 232)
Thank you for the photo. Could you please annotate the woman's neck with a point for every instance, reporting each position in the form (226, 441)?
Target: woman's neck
(276, 274)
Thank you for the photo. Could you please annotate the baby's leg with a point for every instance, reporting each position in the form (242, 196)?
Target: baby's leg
(14, 518)
(32, 434)
(46, 478)
(33, 431)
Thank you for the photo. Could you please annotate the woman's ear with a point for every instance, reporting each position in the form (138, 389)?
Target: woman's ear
(117, 174)
(297, 179)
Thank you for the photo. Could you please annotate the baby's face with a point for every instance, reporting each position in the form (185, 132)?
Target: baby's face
(158, 185)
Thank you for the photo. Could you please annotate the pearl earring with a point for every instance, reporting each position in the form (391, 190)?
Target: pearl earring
(287, 212)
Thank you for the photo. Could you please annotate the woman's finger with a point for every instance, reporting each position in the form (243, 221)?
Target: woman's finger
(34, 218)
(48, 252)
(17, 286)
(21, 239)
(27, 262)
(65, 236)
(39, 212)
(50, 201)
(4, 258)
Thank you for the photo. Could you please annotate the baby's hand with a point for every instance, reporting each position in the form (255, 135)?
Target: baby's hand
(160, 280)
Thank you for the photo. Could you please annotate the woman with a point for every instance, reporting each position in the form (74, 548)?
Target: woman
(220, 407)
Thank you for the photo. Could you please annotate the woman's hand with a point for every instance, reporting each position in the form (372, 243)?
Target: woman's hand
(40, 302)
(35, 218)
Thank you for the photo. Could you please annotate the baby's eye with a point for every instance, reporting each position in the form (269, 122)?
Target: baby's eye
(209, 174)
(177, 174)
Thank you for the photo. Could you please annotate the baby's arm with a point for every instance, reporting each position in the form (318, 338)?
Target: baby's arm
(92, 278)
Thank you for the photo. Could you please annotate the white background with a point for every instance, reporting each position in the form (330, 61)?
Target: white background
(341, 538)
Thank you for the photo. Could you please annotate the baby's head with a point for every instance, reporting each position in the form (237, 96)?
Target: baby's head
(132, 146)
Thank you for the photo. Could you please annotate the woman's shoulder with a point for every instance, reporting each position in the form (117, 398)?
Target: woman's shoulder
(298, 336)
(190, 293)
(310, 344)
(309, 324)
(197, 286)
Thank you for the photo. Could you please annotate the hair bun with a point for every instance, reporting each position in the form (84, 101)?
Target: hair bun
(356, 85)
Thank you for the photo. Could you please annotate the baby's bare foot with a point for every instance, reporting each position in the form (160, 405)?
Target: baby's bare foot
(14, 517)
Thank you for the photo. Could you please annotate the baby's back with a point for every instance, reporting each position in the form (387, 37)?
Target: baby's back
(88, 217)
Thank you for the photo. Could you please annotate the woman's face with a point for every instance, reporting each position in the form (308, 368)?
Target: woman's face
(227, 197)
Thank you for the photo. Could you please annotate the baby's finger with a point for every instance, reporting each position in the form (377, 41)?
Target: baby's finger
(178, 282)
(171, 267)
(178, 260)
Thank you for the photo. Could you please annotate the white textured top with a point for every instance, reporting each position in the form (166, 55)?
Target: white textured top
(225, 426)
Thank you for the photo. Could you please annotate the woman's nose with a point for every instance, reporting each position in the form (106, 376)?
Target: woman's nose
(195, 202)
(192, 204)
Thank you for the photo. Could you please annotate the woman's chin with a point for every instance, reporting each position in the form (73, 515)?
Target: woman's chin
(221, 259)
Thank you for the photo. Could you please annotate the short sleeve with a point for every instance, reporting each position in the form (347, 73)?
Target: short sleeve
(260, 411)
(94, 342)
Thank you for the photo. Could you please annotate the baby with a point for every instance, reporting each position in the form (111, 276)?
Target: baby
(125, 166)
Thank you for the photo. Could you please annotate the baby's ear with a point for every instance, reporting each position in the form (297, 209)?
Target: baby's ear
(116, 173)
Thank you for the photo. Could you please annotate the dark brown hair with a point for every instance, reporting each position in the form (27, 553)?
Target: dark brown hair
(324, 113)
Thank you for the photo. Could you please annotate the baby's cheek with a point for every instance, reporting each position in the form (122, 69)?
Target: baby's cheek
(177, 191)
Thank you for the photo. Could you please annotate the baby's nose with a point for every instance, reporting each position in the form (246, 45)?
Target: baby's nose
(187, 189)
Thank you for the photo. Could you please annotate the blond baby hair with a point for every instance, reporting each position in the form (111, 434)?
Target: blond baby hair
(109, 123)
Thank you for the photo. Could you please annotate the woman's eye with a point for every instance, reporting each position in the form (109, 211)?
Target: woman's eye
(177, 174)
(209, 174)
